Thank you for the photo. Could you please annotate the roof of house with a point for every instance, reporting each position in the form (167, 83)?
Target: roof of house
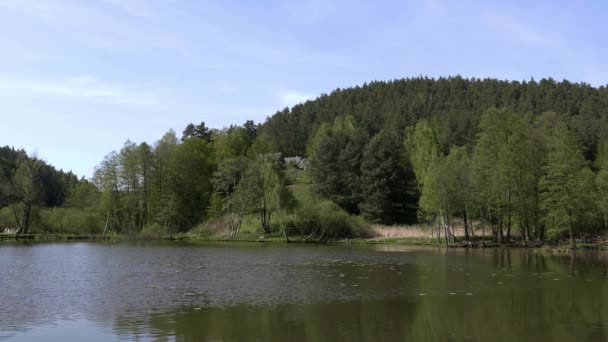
(300, 162)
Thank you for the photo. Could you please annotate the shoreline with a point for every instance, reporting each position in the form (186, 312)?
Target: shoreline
(402, 241)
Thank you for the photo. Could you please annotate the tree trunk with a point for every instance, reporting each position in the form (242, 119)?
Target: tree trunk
(466, 224)
(169, 228)
(268, 222)
(445, 232)
(27, 209)
(489, 222)
(438, 231)
(508, 239)
(500, 231)
(471, 226)
(25, 220)
(523, 228)
(542, 232)
(263, 218)
(483, 230)
(285, 234)
(107, 220)
(450, 227)
(572, 242)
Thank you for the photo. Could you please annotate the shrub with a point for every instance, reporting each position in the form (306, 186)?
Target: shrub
(68, 221)
(153, 229)
(213, 226)
(7, 218)
(326, 220)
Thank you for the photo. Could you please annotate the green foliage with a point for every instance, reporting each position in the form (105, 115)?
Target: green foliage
(325, 220)
(234, 200)
(235, 140)
(454, 103)
(567, 184)
(216, 206)
(384, 180)
(525, 172)
(265, 184)
(200, 131)
(336, 163)
(301, 187)
(422, 147)
(503, 154)
(83, 196)
(601, 183)
(191, 167)
(71, 221)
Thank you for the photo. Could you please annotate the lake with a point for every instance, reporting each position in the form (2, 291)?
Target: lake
(278, 292)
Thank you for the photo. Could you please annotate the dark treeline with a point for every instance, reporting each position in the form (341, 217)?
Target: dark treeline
(507, 160)
(450, 127)
(455, 104)
(27, 183)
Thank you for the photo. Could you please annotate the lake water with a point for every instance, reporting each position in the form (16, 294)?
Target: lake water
(278, 292)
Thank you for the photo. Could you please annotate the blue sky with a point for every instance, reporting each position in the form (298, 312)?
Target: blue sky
(79, 78)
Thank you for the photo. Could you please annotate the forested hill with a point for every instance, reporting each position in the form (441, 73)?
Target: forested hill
(56, 183)
(507, 160)
(454, 104)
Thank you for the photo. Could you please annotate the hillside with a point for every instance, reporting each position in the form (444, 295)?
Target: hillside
(455, 103)
(510, 160)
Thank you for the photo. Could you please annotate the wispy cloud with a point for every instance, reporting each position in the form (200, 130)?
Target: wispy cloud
(290, 98)
(435, 7)
(90, 25)
(84, 87)
(136, 8)
(516, 29)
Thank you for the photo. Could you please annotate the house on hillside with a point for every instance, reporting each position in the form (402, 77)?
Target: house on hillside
(298, 162)
(274, 157)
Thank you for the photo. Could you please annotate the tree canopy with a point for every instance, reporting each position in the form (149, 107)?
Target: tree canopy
(524, 160)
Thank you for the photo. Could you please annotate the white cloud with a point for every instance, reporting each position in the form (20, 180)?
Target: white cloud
(435, 7)
(291, 98)
(515, 29)
(84, 87)
(136, 8)
(89, 25)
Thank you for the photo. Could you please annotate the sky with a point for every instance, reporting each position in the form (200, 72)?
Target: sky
(79, 78)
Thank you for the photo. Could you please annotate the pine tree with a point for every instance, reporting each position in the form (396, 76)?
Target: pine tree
(383, 180)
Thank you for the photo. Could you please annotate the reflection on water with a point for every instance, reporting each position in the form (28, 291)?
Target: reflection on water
(299, 292)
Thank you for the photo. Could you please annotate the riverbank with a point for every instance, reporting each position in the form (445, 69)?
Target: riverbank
(411, 240)
(59, 236)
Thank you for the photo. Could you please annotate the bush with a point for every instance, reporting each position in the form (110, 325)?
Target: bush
(10, 217)
(68, 221)
(213, 226)
(7, 218)
(326, 220)
(153, 229)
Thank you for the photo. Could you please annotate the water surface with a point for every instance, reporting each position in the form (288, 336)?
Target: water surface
(277, 292)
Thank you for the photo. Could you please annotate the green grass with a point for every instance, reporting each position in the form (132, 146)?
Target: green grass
(301, 187)
(418, 241)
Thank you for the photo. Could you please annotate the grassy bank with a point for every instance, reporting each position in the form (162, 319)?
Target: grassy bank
(62, 236)
(253, 237)
(248, 237)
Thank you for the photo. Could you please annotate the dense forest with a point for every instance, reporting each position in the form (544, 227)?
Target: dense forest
(505, 160)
